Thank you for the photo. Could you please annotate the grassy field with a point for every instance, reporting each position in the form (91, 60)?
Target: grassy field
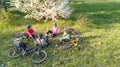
(98, 22)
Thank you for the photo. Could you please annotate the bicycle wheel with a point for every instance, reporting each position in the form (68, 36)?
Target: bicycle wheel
(11, 42)
(64, 47)
(79, 39)
(14, 52)
(39, 57)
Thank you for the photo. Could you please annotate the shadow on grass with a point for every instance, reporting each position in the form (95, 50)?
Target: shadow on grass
(17, 15)
(95, 7)
(101, 14)
(19, 20)
(104, 19)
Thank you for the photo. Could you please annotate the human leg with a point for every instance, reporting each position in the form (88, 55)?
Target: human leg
(46, 38)
(61, 41)
(49, 31)
(53, 35)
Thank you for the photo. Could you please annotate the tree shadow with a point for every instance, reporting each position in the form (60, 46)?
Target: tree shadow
(101, 14)
(95, 7)
(16, 12)
(17, 15)
(103, 20)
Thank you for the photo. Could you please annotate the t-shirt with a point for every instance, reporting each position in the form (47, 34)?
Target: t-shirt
(55, 30)
(30, 31)
(67, 36)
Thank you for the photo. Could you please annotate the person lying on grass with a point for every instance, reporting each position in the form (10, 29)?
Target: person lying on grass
(42, 40)
(66, 37)
(54, 30)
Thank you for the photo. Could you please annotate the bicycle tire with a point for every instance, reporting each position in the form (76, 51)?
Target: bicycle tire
(13, 52)
(41, 60)
(11, 42)
(65, 46)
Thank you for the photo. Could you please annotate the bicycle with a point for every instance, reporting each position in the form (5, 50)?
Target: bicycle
(14, 51)
(74, 41)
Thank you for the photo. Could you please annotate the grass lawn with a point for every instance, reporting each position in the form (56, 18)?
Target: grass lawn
(99, 24)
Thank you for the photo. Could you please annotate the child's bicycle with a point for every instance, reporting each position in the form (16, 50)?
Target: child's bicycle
(74, 41)
(14, 51)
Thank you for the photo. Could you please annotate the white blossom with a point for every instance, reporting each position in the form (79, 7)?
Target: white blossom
(44, 9)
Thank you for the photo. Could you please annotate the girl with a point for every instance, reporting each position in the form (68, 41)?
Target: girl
(66, 37)
(54, 30)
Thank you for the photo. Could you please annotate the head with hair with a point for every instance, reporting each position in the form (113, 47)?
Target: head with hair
(66, 30)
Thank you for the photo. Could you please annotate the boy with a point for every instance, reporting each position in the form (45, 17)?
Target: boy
(30, 32)
(42, 41)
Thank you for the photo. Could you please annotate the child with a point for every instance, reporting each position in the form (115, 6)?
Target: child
(42, 40)
(30, 32)
(54, 30)
(66, 37)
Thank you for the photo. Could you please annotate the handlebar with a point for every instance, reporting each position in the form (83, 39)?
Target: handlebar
(17, 40)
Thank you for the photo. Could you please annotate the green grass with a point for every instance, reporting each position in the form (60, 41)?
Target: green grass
(100, 27)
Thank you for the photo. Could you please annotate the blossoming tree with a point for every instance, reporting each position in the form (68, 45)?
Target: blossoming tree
(44, 9)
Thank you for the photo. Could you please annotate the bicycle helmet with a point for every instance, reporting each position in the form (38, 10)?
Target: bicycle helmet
(55, 23)
(65, 29)
(29, 26)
